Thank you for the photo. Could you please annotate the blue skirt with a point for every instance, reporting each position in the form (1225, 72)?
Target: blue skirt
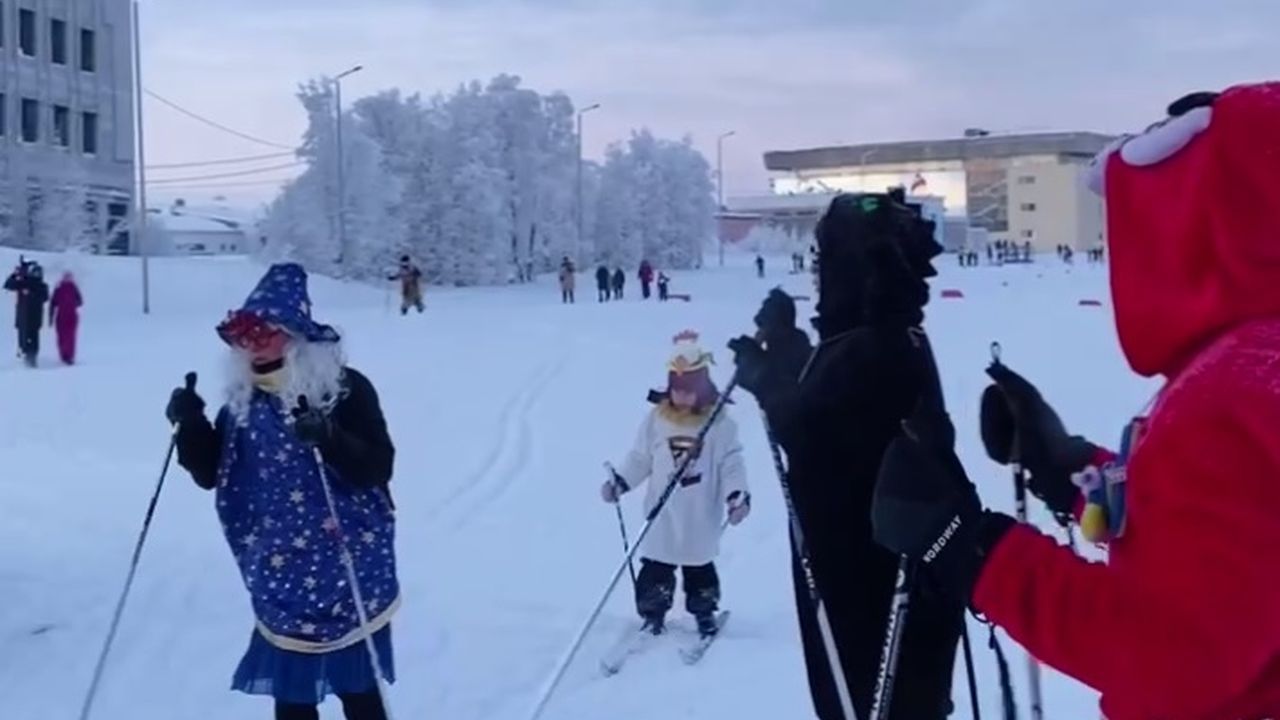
(305, 678)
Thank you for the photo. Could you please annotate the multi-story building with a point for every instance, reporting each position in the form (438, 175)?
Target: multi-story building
(1019, 188)
(66, 121)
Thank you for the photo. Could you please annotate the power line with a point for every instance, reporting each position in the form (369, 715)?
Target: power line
(219, 126)
(202, 186)
(226, 161)
(218, 176)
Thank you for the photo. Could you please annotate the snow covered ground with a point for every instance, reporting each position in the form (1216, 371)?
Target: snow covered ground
(503, 404)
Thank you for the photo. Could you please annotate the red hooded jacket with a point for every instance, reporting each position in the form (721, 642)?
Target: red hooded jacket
(1183, 622)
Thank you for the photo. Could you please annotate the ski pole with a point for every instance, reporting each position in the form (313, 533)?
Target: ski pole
(622, 527)
(687, 462)
(893, 639)
(1033, 667)
(969, 670)
(190, 384)
(1020, 511)
(810, 580)
(349, 564)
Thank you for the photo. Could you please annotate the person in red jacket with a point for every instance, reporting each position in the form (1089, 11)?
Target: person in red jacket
(1183, 621)
(64, 315)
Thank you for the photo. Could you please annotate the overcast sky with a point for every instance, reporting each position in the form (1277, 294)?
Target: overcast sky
(783, 73)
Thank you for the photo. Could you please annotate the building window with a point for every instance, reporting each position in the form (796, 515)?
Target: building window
(27, 32)
(1028, 207)
(58, 41)
(1027, 180)
(30, 120)
(88, 51)
(1028, 234)
(4, 115)
(2, 24)
(62, 125)
(89, 133)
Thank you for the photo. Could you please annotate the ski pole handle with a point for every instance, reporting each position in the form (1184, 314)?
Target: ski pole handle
(189, 384)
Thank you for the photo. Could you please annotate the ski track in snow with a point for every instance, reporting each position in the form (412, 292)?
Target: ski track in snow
(508, 458)
(503, 404)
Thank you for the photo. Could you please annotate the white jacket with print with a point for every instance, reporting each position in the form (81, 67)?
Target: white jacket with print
(687, 532)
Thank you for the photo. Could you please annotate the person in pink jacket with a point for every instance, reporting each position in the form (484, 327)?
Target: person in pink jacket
(64, 315)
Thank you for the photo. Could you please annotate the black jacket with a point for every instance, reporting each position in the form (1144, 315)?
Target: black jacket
(868, 374)
(32, 294)
(360, 448)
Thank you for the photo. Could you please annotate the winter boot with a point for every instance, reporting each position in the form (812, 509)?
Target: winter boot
(654, 625)
(707, 625)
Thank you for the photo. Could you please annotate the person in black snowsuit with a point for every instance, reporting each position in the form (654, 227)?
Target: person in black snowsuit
(27, 283)
(619, 283)
(871, 369)
(602, 283)
(759, 266)
(664, 285)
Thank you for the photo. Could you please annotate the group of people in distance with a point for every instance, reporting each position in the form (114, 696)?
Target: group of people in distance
(611, 285)
(31, 294)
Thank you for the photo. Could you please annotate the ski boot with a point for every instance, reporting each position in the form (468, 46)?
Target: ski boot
(707, 625)
(654, 625)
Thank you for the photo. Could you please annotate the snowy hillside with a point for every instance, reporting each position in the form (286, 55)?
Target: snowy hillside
(503, 404)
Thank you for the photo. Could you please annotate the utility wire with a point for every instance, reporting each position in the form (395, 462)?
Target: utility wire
(219, 126)
(225, 161)
(204, 186)
(218, 176)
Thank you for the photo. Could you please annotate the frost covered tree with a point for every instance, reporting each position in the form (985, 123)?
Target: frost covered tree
(478, 186)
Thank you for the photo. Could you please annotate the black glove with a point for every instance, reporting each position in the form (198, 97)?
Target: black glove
(776, 319)
(752, 362)
(1019, 426)
(185, 404)
(311, 425)
(925, 508)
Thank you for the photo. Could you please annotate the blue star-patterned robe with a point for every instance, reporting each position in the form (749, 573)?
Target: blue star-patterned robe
(272, 506)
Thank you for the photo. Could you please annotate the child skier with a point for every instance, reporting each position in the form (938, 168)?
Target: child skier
(687, 532)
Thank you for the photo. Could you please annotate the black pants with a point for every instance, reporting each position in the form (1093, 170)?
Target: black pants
(29, 341)
(604, 294)
(656, 589)
(362, 706)
(566, 296)
(644, 290)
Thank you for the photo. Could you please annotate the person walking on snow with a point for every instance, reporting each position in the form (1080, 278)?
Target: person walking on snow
(603, 278)
(759, 266)
(619, 283)
(687, 532)
(259, 455)
(664, 284)
(1180, 623)
(568, 279)
(64, 316)
(646, 278)
(27, 283)
(410, 277)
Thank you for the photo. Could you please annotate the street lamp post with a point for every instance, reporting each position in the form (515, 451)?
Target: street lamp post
(140, 227)
(342, 190)
(720, 185)
(578, 202)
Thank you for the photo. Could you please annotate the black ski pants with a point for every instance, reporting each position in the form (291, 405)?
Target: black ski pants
(645, 290)
(29, 341)
(656, 589)
(361, 706)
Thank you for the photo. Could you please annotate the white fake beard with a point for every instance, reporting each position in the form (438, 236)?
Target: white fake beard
(311, 369)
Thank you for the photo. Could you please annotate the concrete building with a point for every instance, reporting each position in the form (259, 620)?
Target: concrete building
(1019, 188)
(177, 232)
(66, 120)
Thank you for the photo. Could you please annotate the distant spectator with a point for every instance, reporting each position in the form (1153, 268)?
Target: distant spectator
(27, 282)
(619, 283)
(646, 278)
(664, 284)
(64, 316)
(568, 279)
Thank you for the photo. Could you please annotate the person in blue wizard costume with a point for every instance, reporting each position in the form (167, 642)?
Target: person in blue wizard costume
(259, 456)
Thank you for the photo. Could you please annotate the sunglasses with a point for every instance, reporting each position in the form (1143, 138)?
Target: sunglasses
(248, 331)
